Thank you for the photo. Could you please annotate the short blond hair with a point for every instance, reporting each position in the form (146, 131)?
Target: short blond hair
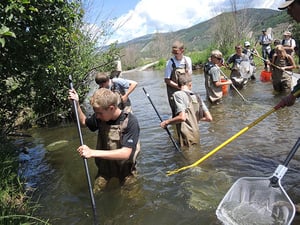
(103, 98)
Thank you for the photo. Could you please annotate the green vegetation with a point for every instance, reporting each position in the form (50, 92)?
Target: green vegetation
(15, 205)
(43, 42)
(160, 65)
(200, 57)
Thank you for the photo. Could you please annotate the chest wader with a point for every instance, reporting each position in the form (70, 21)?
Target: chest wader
(213, 93)
(170, 90)
(109, 138)
(189, 133)
(281, 81)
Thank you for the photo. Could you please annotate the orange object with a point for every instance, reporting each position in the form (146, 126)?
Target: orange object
(224, 87)
(265, 76)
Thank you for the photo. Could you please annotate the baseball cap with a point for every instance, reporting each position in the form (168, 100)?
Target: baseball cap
(285, 4)
(287, 33)
(216, 54)
(247, 43)
(263, 30)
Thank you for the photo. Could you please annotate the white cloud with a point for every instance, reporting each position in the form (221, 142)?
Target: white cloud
(151, 16)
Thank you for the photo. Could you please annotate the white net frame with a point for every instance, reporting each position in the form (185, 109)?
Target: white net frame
(252, 200)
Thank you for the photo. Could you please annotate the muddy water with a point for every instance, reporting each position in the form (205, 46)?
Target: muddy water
(190, 197)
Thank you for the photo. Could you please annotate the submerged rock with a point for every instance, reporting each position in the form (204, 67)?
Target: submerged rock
(56, 145)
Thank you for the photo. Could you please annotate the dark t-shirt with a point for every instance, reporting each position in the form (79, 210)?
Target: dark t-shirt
(130, 134)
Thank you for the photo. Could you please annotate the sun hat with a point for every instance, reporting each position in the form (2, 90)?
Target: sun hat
(287, 33)
(285, 4)
(247, 43)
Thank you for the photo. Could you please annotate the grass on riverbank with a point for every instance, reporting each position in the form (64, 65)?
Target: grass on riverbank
(15, 205)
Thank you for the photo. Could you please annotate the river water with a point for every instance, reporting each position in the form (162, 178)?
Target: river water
(54, 169)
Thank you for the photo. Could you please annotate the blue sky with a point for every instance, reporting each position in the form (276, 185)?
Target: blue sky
(135, 18)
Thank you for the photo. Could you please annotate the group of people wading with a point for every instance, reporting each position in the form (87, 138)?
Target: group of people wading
(118, 128)
(278, 59)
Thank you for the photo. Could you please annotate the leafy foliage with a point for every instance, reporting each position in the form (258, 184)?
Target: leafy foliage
(43, 42)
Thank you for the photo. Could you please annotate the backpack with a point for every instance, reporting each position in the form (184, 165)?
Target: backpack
(208, 66)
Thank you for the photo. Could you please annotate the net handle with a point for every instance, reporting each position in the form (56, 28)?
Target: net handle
(281, 169)
(292, 153)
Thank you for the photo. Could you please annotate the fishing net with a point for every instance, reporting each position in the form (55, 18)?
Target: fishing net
(258, 200)
(246, 69)
(295, 79)
(252, 200)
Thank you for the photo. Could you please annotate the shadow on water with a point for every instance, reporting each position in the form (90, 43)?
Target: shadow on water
(54, 169)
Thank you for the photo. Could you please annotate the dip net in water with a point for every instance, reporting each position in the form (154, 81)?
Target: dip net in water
(252, 200)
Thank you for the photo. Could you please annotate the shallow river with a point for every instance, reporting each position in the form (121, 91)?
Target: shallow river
(187, 198)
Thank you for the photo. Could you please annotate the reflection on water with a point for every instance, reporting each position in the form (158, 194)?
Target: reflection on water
(190, 197)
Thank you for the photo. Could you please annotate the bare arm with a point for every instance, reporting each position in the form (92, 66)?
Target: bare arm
(74, 97)
(171, 83)
(131, 88)
(117, 154)
(207, 117)
(219, 83)
(181, 117)
(292, 63)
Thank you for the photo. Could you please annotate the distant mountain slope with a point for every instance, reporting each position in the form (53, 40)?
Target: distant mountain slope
(199, 36)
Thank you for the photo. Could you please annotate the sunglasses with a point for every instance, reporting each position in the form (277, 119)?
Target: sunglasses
(218, 58)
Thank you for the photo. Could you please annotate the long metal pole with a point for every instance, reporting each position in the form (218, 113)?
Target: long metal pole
(84, 159)
(169, 133)
(232, 85)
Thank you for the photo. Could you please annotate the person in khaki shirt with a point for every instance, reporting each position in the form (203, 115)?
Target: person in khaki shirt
(189, 110)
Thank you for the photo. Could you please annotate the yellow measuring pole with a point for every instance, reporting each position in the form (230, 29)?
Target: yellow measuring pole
(223, 144)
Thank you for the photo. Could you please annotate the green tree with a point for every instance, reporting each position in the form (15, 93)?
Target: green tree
(43, 42)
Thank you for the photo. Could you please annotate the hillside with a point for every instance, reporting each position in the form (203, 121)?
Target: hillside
(249, 24)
